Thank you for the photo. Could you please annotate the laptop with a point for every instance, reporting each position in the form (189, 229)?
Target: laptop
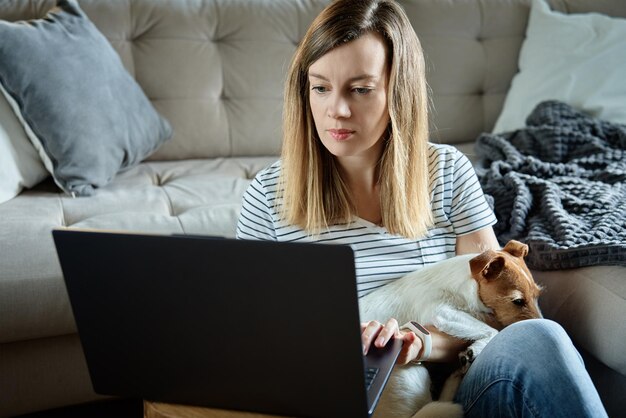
(256, 326)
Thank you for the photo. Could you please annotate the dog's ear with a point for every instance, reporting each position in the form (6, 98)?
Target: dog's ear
(516, 248)
(487, 265)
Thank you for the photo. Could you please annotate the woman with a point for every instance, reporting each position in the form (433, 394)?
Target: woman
(357, 169)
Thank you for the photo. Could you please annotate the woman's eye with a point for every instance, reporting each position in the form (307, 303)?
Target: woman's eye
(361, 90)
(319, 89)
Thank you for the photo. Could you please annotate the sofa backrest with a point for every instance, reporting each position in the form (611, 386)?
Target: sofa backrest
(215, 68)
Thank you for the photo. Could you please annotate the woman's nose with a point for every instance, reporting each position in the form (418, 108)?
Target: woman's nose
(338, 108)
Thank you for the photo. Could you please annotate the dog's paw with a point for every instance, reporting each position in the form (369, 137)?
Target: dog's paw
(478, 346)
(466, 358)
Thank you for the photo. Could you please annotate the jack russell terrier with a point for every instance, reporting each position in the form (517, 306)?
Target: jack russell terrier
(459, 296)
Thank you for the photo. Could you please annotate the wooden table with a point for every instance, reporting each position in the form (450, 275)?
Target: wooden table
(165, 410)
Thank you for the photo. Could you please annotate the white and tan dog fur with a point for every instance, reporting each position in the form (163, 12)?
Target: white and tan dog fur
(458, 296)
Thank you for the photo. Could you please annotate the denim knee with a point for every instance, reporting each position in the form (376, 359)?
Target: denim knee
(542, 337)
(543, 328)
(538, 338)
(530, 366)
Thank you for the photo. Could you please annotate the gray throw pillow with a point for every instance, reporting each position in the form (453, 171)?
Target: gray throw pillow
(83, 111)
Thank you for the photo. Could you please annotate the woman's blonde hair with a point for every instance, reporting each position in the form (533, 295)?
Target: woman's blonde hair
(312, 193)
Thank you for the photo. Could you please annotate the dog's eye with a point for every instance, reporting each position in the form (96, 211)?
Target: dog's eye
(519, 302)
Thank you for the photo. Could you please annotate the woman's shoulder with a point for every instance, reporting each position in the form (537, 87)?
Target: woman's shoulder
(269, 172)
(267, 178)
(442, 149)
(443, 155)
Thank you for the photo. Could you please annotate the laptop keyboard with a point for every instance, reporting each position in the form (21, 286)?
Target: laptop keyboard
(370, 374)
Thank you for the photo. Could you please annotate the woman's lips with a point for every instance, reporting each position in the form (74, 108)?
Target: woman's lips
(340, 134)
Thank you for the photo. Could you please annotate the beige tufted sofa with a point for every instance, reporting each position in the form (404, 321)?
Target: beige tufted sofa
(215, 70)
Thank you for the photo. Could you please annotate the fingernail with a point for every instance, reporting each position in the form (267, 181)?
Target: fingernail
(364, 349)
(380, 341)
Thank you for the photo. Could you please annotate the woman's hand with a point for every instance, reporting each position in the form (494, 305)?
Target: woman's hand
(377, 333)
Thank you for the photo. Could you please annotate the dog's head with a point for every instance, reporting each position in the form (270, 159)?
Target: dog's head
(505, 284)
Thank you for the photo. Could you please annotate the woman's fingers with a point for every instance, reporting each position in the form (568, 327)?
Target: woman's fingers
(411, 348)
(374, 332)
(387, 332)
(369, 333)
(377, 333)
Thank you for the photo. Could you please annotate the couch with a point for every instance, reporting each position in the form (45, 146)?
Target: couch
(214, 69)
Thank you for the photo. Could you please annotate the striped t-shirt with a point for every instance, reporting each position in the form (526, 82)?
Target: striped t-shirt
(458, 204)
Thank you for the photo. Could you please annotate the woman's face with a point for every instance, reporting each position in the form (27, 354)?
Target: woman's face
(348, 98)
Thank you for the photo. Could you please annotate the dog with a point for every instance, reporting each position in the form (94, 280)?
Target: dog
(469, 297)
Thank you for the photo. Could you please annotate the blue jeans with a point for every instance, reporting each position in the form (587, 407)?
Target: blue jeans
(530, 369)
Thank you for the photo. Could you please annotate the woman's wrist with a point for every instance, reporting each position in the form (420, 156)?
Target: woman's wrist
(445, 348)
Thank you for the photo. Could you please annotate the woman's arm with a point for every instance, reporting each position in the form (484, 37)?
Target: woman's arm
(477, 242)
(445, 347)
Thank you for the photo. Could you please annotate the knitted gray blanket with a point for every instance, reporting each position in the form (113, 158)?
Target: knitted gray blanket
(559, 185)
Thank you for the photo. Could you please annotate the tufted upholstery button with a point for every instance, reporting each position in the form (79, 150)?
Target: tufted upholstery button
(157, 180)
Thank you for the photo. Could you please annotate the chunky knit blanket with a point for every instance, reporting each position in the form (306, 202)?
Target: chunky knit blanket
(559, 185)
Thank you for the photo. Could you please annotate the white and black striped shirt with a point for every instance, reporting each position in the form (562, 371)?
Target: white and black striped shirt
(458, 204)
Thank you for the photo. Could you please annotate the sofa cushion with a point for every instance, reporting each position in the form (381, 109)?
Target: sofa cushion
(192, 197)
(56, 364)
(20, 165)
(471, 50)
(576, 59)
(83, 111)
(590, 303)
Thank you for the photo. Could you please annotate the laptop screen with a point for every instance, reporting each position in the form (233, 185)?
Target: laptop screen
(249, 325)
